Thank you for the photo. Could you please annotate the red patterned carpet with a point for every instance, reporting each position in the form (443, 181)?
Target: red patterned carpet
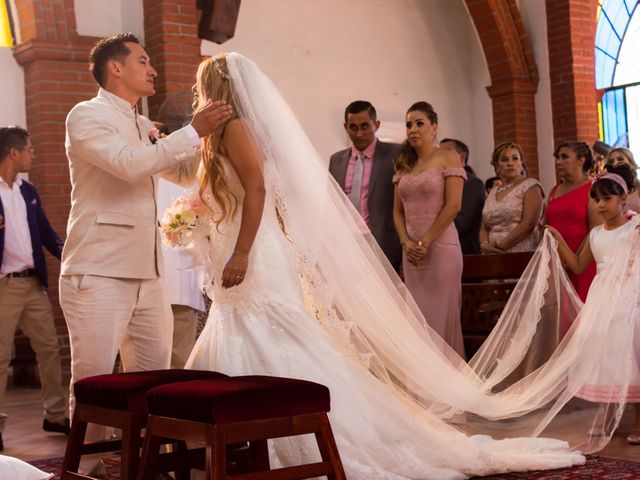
(596, 468)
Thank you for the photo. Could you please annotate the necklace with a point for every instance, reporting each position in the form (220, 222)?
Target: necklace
(505, 186)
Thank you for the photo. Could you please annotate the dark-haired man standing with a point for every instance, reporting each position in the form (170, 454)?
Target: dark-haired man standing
(110, 286)
(469, 218)
(365, 173)
(24, 231)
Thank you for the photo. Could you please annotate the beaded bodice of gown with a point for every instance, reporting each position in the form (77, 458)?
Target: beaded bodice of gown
(423, 196)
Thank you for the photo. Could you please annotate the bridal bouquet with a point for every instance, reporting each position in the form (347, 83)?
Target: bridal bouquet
(181, 219)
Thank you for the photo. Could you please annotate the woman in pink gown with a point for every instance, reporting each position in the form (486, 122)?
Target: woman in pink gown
(428, 196)
(570, 210)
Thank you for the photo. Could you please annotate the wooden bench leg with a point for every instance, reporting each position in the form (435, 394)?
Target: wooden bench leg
(73, 452)
(216, 453)
(259, 456)
(130, 456)
(329, 449)
(150, 454)
(180, 448)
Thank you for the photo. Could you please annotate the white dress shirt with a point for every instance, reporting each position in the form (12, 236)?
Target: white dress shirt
(18, 252)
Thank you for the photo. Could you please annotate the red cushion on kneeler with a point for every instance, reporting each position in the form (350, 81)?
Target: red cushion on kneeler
(126, 391)
(236, 399)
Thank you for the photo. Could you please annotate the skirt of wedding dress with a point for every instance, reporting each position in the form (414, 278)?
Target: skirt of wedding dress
(380, 434)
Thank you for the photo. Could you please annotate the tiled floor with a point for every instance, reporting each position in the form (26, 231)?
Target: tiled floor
(25, 439)
(23, 435)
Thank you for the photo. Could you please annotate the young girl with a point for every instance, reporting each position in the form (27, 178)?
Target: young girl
(609, 192)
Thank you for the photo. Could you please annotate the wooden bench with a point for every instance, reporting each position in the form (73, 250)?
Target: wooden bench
(487, 283)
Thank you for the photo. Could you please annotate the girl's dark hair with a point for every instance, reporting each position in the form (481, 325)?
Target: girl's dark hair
(605, 186)
(488, 184)
(581, 149)
(408, 156)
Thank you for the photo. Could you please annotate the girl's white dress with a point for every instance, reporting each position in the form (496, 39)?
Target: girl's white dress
(605, 245)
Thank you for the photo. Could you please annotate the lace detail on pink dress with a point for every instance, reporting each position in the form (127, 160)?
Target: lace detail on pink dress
(502, 216)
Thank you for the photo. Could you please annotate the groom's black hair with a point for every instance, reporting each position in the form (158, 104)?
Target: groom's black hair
(360, 106)
(110, 48)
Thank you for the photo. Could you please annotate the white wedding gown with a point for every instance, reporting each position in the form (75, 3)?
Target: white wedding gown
(320, 302)
(263, 326)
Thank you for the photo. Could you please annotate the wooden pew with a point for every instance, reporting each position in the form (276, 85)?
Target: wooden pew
(487, 282)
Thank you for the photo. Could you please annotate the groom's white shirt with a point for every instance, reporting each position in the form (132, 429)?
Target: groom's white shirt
(112, 229)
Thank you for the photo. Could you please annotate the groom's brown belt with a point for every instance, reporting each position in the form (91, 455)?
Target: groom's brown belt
(29, 272)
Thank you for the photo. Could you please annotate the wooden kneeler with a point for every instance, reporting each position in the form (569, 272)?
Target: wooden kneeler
(226, 412)
(118, 401)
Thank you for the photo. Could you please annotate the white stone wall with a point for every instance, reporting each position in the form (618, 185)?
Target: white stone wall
(534, 17)
(324, 54)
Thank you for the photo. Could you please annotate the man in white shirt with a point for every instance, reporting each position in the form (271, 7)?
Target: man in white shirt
(24, 231)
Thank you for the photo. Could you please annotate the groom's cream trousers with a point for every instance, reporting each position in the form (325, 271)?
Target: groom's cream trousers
(111, 284)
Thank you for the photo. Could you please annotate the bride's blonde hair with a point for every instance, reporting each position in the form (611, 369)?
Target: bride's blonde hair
(213, 83)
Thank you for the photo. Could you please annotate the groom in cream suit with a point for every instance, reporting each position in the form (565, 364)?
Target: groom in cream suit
(111, 292)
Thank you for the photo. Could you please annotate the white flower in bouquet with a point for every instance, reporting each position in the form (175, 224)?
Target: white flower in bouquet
(181, 219)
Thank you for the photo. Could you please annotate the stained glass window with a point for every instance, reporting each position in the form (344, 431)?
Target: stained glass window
(6, 35)
(618, 71)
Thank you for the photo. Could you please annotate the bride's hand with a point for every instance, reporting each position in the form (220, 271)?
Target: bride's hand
(235, 270)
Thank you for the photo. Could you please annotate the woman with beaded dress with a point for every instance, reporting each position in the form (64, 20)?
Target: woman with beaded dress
(512, 211)
(298, 291)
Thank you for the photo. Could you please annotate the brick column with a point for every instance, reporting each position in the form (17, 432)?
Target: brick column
(171, 40)
(514, 76)
(571, 30)
(56, 76)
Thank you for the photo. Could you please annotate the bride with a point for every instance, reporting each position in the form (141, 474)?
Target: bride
(299, 292)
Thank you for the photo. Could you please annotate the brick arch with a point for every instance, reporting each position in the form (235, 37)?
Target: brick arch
(514, 75)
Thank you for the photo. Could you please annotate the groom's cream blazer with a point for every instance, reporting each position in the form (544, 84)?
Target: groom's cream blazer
(112, 229)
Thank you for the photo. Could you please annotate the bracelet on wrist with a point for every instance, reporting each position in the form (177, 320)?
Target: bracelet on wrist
(241, 254)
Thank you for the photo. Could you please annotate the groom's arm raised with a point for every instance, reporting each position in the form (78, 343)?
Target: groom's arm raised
(211, 115)
(93, 138)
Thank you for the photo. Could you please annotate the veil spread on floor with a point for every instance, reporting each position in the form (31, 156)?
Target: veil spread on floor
(359, 300)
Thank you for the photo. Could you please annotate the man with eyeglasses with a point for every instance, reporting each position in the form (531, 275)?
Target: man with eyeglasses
(24, 231)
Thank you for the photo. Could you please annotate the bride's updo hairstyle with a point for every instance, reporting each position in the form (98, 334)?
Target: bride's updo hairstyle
(610, 185)
(213, 83)
(408, 156)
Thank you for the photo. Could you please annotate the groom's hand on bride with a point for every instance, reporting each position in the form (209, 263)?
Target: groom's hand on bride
(235, 270)
(207, 119)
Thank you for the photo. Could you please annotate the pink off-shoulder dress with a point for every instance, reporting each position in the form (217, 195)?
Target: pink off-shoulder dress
(435, 282)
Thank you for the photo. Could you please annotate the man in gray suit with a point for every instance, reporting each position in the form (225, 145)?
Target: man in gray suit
(365, 173)
(473, 195)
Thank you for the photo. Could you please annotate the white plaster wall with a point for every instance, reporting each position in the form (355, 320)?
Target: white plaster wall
(324, 54)
(534, 17)
(102, 19)
(13, 111)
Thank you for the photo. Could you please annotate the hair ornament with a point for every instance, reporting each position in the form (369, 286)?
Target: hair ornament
(218, 66)
(614, 177)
